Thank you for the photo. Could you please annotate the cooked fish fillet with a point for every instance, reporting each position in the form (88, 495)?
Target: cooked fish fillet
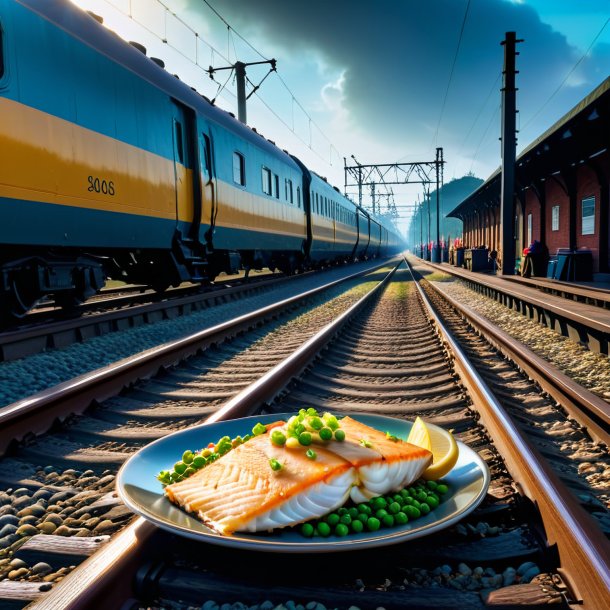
(383, 464)
(240, 491)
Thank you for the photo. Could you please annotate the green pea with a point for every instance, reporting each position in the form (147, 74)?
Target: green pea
(331, 421)
(339, 435)
(187, 457)
(345, 519)
(365, 508)
(432, 502)
(401, 518)
(412, 512)
(388, 520)
(323, 529)
(408, 500)
(394, 508)
(189, 471)
(381, 513)
(416, 503)
(353, 512)
(238, 440)
(316, 423)
(259, 429)
(424, 508)
(247, 437)
(357, 526)
(325, 434)
(311, 454)
(373, 524)
(332, 519)
(311, 411)
(278, 438)
(305, 438)
(421, 496)
(363, 517)
(298, 429)
(275, 465)
(341, 530)
(398, 498)
(342, 511)
(405, 493)
(199, 461)
(180, 467)
(431, 485)
(175, 477)
(442, 489)
(307, 530)
(377, 503)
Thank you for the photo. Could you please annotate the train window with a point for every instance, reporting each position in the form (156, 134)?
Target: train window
(299, 196)
(207, 155)
(179, 144)
(266, 175)
(317, 204)
(239, 169)
(289, 191)
(276, 183)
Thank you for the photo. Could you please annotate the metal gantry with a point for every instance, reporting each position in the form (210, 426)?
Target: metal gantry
(389, 174)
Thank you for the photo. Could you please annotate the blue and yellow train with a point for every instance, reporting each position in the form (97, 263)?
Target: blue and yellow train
(112, 167)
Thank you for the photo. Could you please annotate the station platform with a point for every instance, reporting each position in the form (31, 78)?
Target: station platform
(583, 313)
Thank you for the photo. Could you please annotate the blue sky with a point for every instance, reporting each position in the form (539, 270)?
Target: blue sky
(369, 78)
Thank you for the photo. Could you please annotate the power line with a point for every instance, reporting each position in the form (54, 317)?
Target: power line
(563, 82)
(282, 81)
(455, 56)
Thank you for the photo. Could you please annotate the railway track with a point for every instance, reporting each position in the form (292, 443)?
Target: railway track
(117, 309)
(387, 359)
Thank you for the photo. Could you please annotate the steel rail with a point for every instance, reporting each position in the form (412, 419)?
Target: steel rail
(583, 550)
(93, 583)
(37, 413)
(49, 333)
(586, 408)
(602, 326)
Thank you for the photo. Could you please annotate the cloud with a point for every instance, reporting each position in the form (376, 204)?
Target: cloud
(395, 60)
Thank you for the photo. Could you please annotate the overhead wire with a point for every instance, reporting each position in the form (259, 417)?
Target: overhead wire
(455, 56)
(282, 81)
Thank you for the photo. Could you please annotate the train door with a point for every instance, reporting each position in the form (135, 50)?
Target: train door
(209, 203)
(183, 173)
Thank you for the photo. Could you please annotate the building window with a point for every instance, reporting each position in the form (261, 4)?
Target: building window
(529, 228)
(555, 218)
(266, 175)
(588, 216)
(239, 169)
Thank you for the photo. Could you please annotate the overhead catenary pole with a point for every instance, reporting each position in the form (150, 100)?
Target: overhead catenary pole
(509, 145)
(436, 250)
(240, 78)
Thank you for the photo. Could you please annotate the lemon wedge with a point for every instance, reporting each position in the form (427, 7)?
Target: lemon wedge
(442, 444)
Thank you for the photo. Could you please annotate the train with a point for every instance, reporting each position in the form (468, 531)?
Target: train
(111, 167)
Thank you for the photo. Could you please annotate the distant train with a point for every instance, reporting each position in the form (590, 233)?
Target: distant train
(112, 167)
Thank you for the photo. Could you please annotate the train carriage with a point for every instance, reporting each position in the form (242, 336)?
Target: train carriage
(111, 167)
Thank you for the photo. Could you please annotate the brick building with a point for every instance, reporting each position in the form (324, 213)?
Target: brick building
(562, 184)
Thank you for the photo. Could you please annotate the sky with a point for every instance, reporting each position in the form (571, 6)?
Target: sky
(383, 80)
